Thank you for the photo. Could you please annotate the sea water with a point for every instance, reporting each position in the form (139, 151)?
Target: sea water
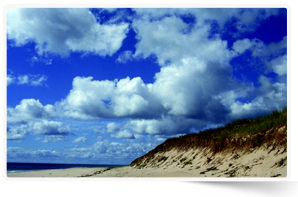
(28, 167)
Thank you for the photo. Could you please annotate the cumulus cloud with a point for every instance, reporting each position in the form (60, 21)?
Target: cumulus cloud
(221, 15)
(187, 88)
(17, 132)
(260, 49)
(29, 110)
(241, 46)
(46, 127)
(247, 20)
(166, 39)
(109, 99)
(112, 127)
(270, 96)
(32, 80)
(86, 99)
(64, 30)
(134, 98)
(195, 86)
(175, 90)
(184, 96)
(125, 134)
(166, 125)
(279, 65)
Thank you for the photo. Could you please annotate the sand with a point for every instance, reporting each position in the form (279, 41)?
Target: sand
(71, 172)
(254, 164)
(262, 162)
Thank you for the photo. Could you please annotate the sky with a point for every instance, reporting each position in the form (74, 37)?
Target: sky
(105, 86)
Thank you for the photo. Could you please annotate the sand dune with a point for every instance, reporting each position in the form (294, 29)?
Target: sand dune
(258, 163)
(254, 164)
(266, 159)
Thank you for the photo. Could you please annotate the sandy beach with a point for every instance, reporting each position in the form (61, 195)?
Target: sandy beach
(70, 172)
(246, 164)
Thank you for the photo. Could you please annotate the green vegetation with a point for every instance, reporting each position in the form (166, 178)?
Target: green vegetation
(244, 127)
(189, 162)
(244, 134)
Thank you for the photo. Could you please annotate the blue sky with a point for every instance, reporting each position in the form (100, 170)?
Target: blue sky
(108, 85)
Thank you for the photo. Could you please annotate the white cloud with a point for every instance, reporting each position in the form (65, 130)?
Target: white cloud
(221, 15)
(38, 81)
(86, 99)
(17, 132)
(118, 151)
(193, 91)
(260, 49)
(112, 127)
(241, 46)
(247, 20)
(80, 139)
(27, 155)
(168, 41)
(190, 88)
(134, 98)
(52, 138)
(270, 96)
(29, 110)
(107, 99)
(257, 47)
(195, 86)
(51, 128)
(80, 149)
(32, 80)
(184, 96)
(10, 79)
(279, 65)
(64, 30)
(124, 57)
(125, 134)
(167, 125)
(101, 146)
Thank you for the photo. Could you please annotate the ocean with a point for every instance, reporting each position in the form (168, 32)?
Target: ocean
(27, 167)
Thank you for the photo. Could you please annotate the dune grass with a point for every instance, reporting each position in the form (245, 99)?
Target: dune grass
(240, 134)
(245, 127)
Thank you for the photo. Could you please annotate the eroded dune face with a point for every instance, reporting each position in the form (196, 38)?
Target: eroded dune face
(259, 155)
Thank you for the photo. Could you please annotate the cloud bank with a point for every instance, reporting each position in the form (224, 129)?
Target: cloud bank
(194, 88)
(64, 30)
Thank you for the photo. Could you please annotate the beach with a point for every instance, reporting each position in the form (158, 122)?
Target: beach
(70, 172)
(258, 163)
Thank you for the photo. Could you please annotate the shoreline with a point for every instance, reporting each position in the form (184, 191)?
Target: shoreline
(132, 172)
(60, 173)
